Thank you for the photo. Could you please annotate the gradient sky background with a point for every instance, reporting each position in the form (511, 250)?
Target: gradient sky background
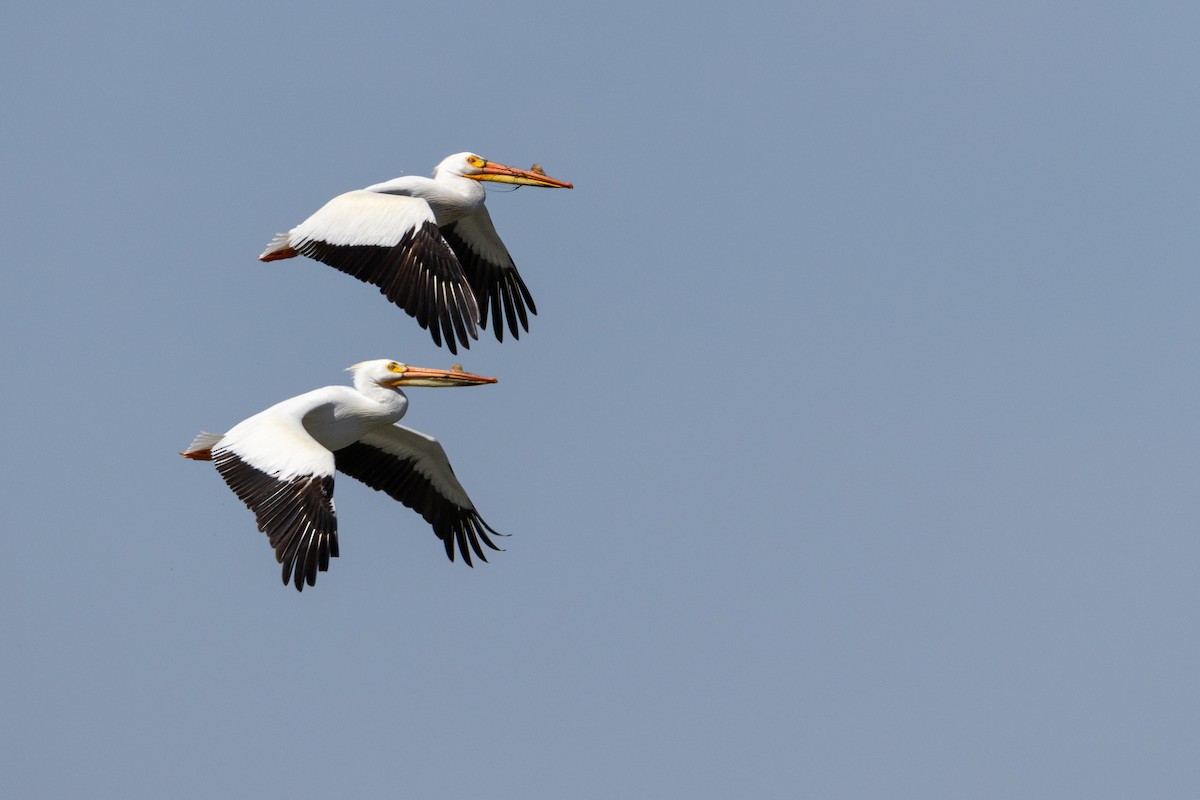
(853, 453)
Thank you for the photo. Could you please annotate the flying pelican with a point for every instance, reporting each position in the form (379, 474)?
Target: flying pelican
(281, 461)
(428, 244)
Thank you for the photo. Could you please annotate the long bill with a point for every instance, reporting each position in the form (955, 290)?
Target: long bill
(424, 376)
(500, 173)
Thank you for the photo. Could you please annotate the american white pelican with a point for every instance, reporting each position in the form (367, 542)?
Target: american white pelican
(428, 244)
(281, 461)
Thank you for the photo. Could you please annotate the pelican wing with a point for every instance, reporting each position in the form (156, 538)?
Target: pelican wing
(412, 468)
(393, 242)
(286, 478)
(490, 271)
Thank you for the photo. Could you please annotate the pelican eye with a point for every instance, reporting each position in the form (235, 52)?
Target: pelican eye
(475, 161)
(394, 367)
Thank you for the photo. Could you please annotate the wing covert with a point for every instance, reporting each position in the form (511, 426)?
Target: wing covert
(393, 242)
(285, 477)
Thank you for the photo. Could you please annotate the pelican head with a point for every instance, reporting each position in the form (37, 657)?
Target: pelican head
(469, 165)
(395, 374)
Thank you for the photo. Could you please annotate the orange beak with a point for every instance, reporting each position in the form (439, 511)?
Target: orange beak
(423, 376)
(500, 173)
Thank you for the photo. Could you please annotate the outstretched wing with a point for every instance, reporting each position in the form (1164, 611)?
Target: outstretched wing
(286, 478)
(412, 468)
(490, 271)
(393, 242)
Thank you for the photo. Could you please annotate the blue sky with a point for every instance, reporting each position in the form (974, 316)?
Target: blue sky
(853, 452)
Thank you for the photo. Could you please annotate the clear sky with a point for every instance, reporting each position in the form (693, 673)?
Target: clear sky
(854, 451)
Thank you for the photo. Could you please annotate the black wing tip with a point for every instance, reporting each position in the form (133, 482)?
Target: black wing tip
(468, 535)
(303, 567)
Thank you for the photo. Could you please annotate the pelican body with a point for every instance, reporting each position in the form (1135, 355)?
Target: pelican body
(281, 462)
(428, 244)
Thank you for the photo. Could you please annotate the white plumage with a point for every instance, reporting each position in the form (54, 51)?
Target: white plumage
(428, 244)
(281, 463)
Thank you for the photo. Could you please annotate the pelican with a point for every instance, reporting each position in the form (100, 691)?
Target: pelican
(280, 463)
(428, 244)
